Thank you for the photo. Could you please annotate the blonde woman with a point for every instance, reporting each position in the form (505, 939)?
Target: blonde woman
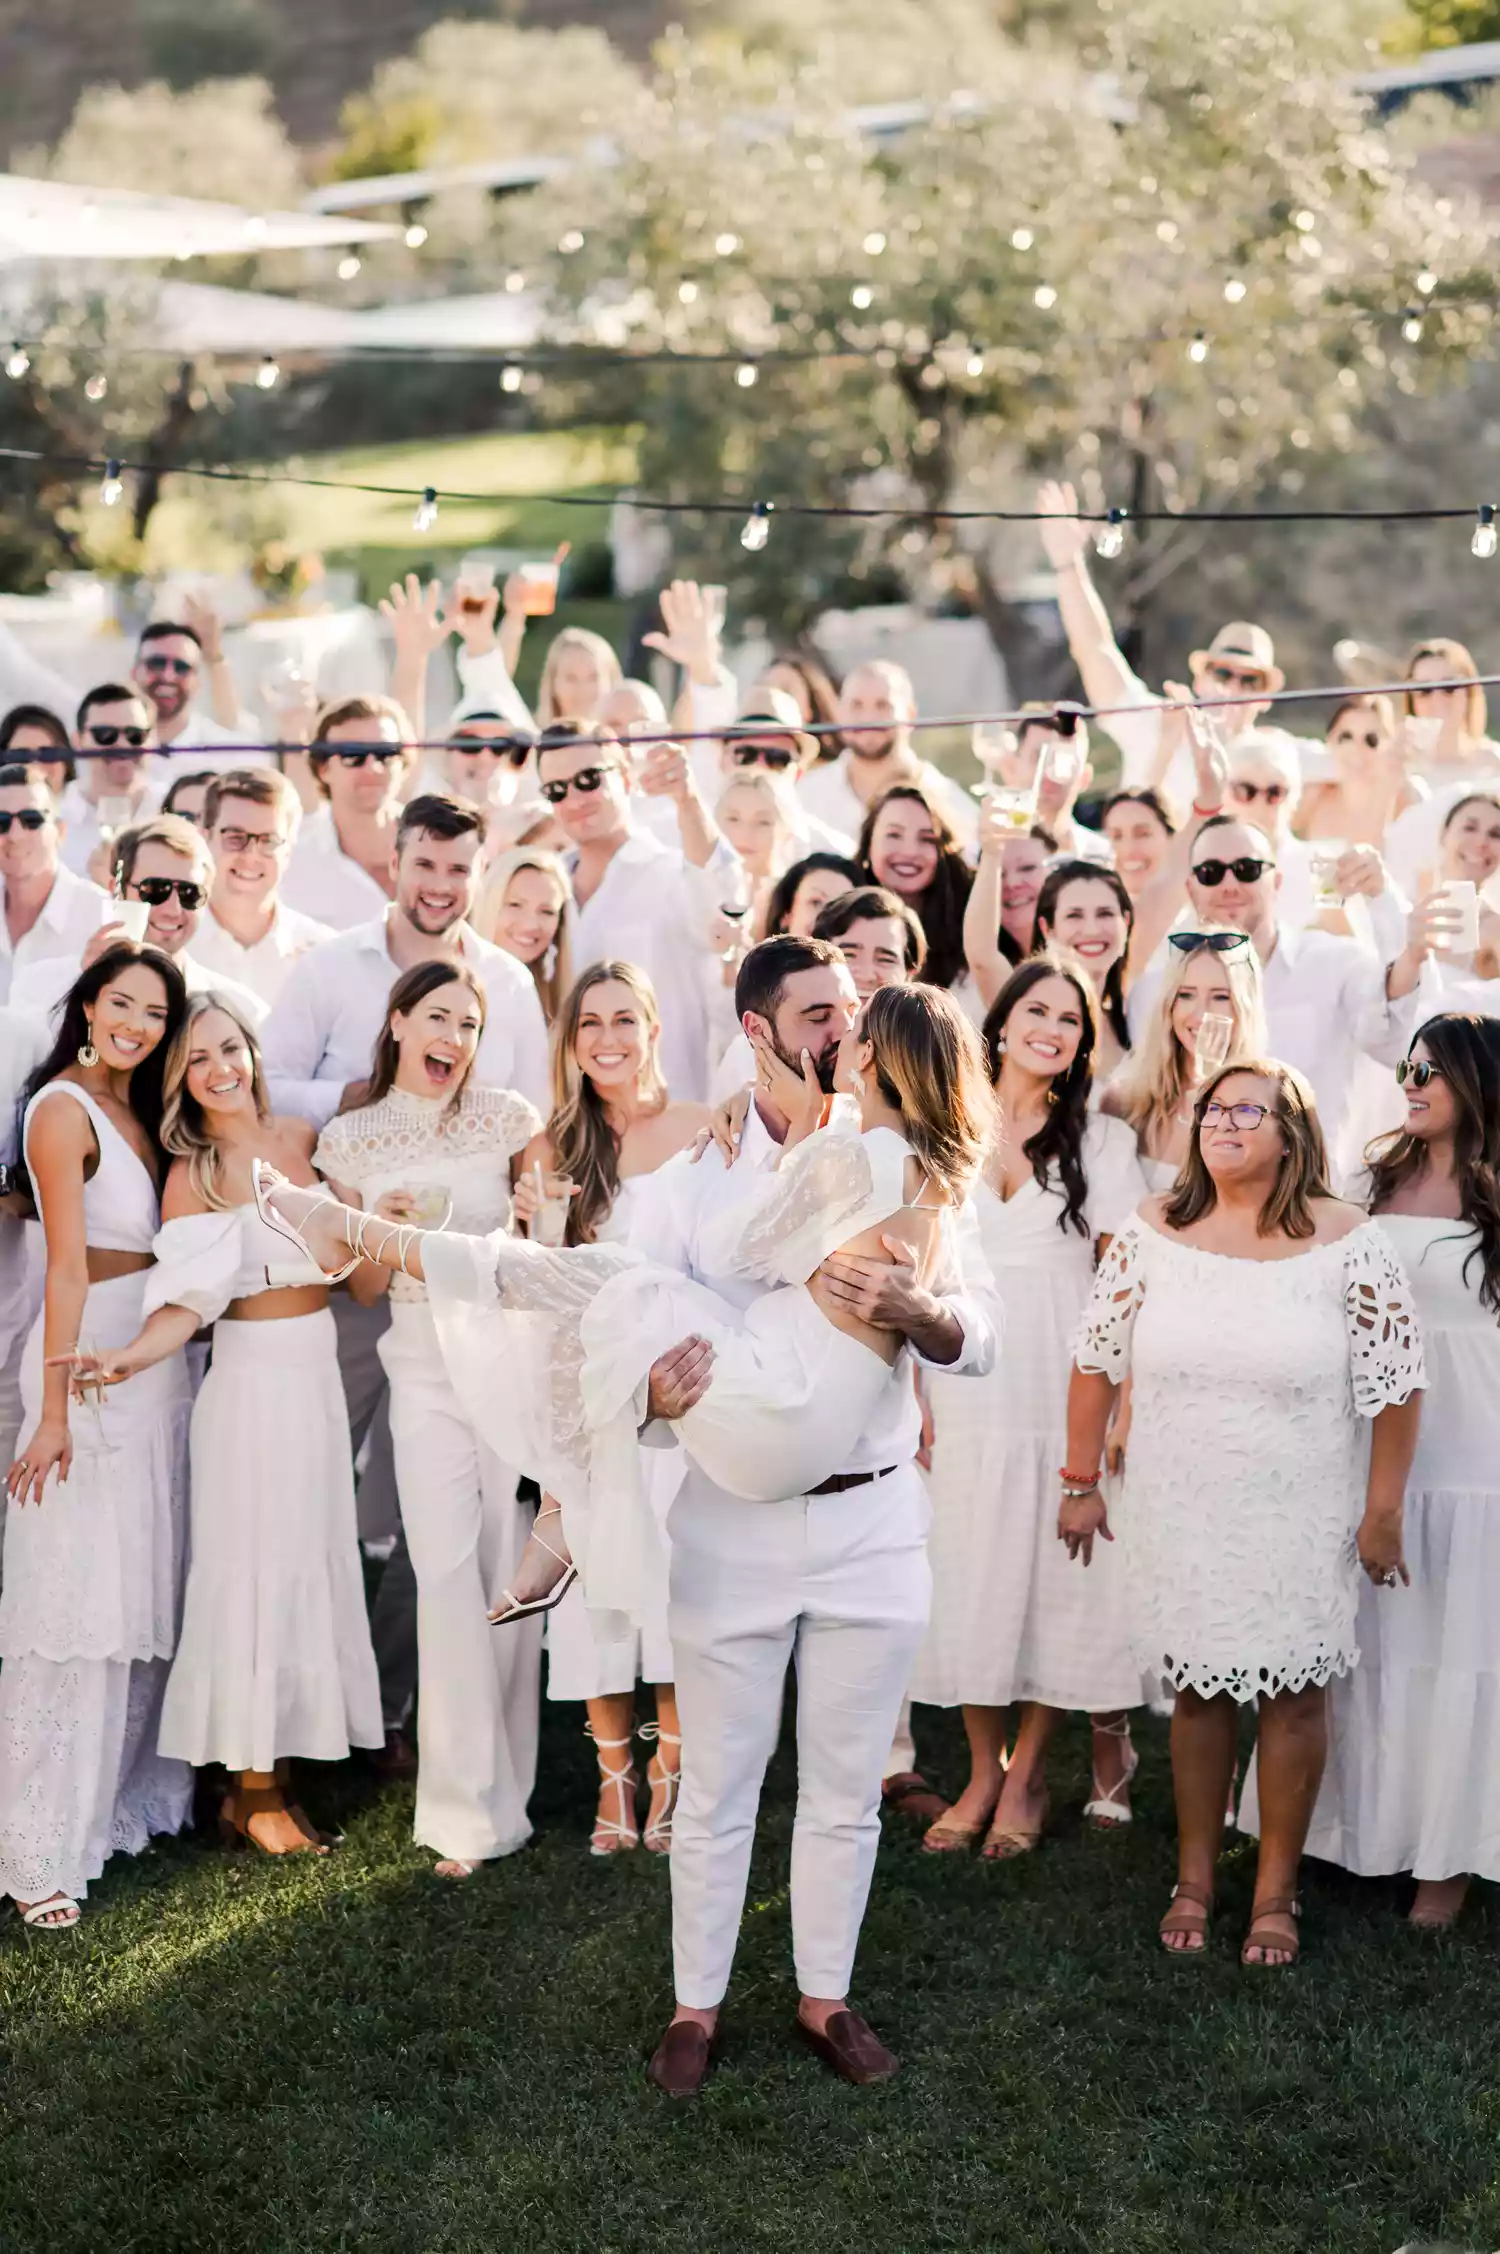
(613, 1124)
(579, 672)
(274, 1660)
(1213, 972)
(753, 813)
(526, 907)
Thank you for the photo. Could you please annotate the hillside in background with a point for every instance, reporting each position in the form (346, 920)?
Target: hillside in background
(313, 57)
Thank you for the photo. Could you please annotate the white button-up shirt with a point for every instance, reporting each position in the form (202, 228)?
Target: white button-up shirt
(653, 908)
(206, 747)
(322, 1032)
(81, 823)
(325, 882)
(826, 793)
(72, 911)
(265, 966)
(682, 1196)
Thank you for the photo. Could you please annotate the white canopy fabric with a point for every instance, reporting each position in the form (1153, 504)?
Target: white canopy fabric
(59, 219)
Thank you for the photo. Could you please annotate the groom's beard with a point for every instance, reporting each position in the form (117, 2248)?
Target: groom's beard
(825, 1067)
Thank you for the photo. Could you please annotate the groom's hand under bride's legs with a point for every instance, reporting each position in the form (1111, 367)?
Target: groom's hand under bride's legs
(679, 1378)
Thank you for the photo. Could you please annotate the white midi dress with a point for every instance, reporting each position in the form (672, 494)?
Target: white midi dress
(1413, 1775)
(1011, 1618)
(273, 1659)
(93, 1580)
(1249, 1445)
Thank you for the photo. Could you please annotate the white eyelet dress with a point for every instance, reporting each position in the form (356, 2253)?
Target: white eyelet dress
(274, 1660)
(1249, 1447)
(93, 1579)
(478, 1711)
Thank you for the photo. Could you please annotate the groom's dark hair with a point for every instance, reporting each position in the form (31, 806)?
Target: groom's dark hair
(765, 970)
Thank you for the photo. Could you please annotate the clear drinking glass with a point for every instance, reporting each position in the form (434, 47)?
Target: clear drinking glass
(991, 740)
(1211, 1044)
(1323, 863)
(430, 1205)
(549, 1224)
(540, 580)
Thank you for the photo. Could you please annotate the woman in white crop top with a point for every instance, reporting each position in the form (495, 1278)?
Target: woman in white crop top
(98, 1491)
(428, 1145)
(274, 1660)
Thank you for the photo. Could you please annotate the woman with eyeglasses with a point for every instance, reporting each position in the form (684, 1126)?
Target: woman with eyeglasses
(342, 868)
(32, 736)
(907, 844)
(1010, 1625)
(1276, 1363)
(95, 1531)
(1413, 1783)
(1209, 1011)
(273, 1659)
(526, 907)
(427, 1145)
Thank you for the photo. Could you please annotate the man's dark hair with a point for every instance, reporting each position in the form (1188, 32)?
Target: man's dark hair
(438, 813)
(868, 904)
(13, 776)
(111, 692)
(765, 970)
(572, 735)
(39, 716)
(161, 628)
(784, 891)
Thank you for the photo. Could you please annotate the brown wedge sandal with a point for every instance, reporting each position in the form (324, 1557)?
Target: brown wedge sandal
(1260, 1935)
(1189, 1911)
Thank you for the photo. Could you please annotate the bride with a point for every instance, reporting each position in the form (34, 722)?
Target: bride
(554, 1348)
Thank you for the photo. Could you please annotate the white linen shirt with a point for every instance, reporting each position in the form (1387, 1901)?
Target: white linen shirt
(206, 747)
(71, 913)
(80, 821)
(826, 793)
(265, 966)
(328, 884)
(321, 1034)
(680, 1197)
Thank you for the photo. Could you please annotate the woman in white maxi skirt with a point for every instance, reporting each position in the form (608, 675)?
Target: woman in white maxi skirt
(273, 1660)
(427, 1143)
(93, 1559)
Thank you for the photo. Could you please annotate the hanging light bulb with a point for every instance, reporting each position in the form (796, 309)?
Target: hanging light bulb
(112, 486)
(348, 267)
(875, 243)
(746, 374)
(757, 530)
(1234, 291)
(510, 377)
(861, 296)
(1198, 349)
(415, 236)
(1045, 297)
(1427, 281)
(1022, 239)
(974, 365)
(427, 510)
(1411, 326)
(267, 375)
(1486, 537)
(96, 388)
(726, 245)
(1111, 537)
(18, 362)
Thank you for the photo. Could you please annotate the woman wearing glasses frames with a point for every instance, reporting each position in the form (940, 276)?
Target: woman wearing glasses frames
(1276, 1364)
(1209, 1010)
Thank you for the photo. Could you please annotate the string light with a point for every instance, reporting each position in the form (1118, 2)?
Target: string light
(974, 365)
(745, 375)
(112, 486)
(268, 374)
(18, 362)
(1486, 538)
(96, 388)
(757, 529)
(1046, 297)
(1022, 239)
(571, 241)
(687, 293)
(515, 283)
(861, 296)
(874, 244)
(1111, 538)
(1411, 326)
(1427, 281)
(348, 267)
(726, 245)
(415, 236)
(1234, 291)
(427, 510)
(1198, 349)
(510, 377)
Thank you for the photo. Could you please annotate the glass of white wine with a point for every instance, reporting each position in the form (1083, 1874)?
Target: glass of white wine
(1211, 1044)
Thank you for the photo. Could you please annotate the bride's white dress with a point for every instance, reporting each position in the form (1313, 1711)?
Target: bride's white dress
(554, 1349)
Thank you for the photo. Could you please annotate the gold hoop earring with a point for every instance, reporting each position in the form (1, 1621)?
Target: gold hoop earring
(88, 1055)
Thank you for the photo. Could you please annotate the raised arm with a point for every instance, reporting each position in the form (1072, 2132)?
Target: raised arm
(1160, 902)
(1106, 675)
(987, 962)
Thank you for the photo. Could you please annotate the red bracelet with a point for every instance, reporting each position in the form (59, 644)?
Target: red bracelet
(1207, 813)
(1079, 1478)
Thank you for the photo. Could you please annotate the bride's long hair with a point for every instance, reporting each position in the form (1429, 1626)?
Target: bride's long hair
(929, 1064)
(184, 1130)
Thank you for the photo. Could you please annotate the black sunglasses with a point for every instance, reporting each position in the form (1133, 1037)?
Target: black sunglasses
(1222, 942)
(503, 747)
(30, 818)
(1246, 870)
(1418, 1073)
(358, 755)
(157, 891)
(779, 756)
(1272, 793)
(181, 666)
(106, 736)
(1230, 677)
(1370, 741)
(585, 782)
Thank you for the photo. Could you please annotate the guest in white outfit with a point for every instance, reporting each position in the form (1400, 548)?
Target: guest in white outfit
(1272, 1342)
(1445, 738)
(877, 705)
(1430, 974)
(342, 869)
(613, 1124)
(1009, 1625)
(187, 795)
(1138, 826)
(425, 1135)
(803, 891)
(172, 658)
(115, 728)
(94, 1536)
(47, 910)
(251, 816)
(578, 672)
(1087, 909)
(1211, 974)
(526, 907)
(273, 1658)
(34, 736)
(908, 846)
(1412, 1778)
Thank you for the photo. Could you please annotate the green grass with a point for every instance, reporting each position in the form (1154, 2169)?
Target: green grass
(231, 2053)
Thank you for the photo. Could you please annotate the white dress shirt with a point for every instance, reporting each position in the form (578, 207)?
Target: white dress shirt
(827, 795)
(264, 966)
(80, 821)
(322, 1032)
(71, 913)
(681, 1196)
(653, 907)
(37, 990)
(325, 882)
(206, 747)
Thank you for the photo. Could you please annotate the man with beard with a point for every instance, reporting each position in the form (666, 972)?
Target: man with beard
(171, 660)
(836, 1579)
(877, 706)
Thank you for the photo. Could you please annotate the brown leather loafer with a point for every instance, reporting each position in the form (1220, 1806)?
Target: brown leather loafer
(680, 2063)
(852, 2048)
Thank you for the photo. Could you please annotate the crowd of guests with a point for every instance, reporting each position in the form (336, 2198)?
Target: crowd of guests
(1239, 1021)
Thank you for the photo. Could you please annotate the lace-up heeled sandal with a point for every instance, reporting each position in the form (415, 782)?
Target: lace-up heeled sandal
(617, 1835)
(657, 1836)
(1106, 1811)
(511, 1607)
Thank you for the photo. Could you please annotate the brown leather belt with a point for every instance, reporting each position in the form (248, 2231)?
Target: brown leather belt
(842, 1481)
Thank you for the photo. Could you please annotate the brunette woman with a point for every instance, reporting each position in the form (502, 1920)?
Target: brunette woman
(907, 844)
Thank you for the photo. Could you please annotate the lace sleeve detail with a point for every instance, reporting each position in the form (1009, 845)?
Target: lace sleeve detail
(1380, 1315)
(357, 1145)
(822, 1193)
(1108, 1323)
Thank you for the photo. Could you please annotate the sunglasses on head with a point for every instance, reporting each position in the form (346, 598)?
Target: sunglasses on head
(502, 747)
(1222, 942)
(1245, 870)
(106, 736)
(181, 666)
(1416, 1073)
(1272, 793)
(30, 818)
(360, 755)
(779, 756)
(157, 891)
(1233, 677)
(585, 782)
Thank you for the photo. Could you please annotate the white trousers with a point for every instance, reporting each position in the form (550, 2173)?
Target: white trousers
(840, 1585)
(478, 1711)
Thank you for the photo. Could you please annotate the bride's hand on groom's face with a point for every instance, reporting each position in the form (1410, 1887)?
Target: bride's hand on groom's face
(793, 1090)
(885, 1293)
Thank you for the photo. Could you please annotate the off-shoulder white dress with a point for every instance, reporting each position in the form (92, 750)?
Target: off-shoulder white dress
(1249, 1446)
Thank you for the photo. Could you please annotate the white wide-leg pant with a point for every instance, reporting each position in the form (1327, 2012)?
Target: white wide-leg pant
(840, 1584)
(478, 1709)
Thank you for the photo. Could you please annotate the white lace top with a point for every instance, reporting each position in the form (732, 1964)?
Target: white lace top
(418, 1142)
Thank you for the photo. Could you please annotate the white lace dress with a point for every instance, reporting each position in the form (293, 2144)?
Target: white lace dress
(1012, 1618)
(1249, 1442)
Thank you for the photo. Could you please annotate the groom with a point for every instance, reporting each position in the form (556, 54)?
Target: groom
(836, 1580)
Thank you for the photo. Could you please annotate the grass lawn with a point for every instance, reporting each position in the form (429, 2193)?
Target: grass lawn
(231, 2053)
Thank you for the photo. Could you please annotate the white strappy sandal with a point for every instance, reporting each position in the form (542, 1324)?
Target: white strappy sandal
(263, 1180)
(1106, 1812)
(615, 1836)
(512, 1607)
(43, 1917)
(657, 1836)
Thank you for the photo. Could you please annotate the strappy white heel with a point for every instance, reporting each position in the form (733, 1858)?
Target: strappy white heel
(657, 1836)
(615, 1836)
(1106, 1812)
(264, 1179)
(511, 1607)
